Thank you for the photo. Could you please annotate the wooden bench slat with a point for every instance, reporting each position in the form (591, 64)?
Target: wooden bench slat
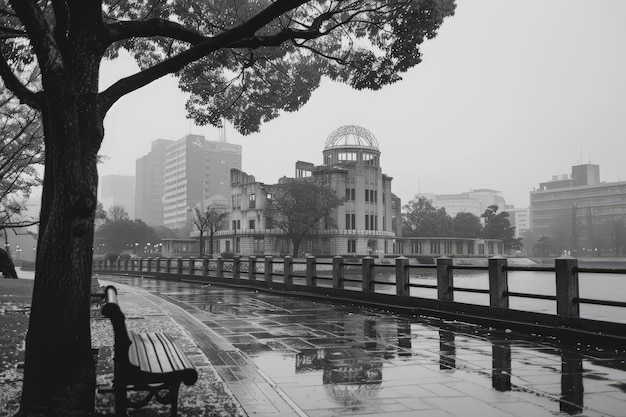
(185, 362)
(161, 355)
(171, 353)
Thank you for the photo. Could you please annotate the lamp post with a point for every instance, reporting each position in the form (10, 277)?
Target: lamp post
(18, 250)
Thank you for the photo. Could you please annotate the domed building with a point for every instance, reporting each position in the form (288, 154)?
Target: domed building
(362, 225)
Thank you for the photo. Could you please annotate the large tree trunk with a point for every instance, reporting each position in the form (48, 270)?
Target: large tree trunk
(59, 373)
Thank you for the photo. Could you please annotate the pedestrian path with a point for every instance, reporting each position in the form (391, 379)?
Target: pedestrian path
(283, 356)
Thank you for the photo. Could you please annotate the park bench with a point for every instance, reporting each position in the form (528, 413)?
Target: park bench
(97, 292)
(145, 362)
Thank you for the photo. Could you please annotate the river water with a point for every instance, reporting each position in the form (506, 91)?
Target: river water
(591, 285)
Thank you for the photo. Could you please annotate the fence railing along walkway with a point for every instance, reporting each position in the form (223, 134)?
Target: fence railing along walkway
(388, 285)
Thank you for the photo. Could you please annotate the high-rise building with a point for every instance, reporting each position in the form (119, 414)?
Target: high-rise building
(118, 190)
(194, 170)
(149, 184)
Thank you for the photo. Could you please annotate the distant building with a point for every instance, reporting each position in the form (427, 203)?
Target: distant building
(363, 223)
(367, 223)
(520, 220)
(474, 202)
(177, 176)
(195, 169)
(586, 174)
(579, 210)
(118, 190)
(149, 184)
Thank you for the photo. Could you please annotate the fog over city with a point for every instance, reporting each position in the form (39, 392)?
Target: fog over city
(508, 95)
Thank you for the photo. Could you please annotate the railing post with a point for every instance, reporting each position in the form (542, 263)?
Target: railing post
(338, 272)
(498, 282)
(567, 286)
(237, 267)
(179, 266)
(367, 270)
(269, 268)
(288, 270)
(220, 267)
(445, 279)
(205, 267)
(402, 276)
(192, 266)
(252, 268)
(311, 271)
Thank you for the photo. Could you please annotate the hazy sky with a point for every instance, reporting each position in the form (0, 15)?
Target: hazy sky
(510, 93)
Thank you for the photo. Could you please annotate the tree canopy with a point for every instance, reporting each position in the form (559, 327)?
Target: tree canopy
(421, 218)
(498, 226)
(241, 61)
(304, 205)
(116, 236)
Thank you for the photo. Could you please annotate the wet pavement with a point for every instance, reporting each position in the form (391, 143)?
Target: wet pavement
(286, 356)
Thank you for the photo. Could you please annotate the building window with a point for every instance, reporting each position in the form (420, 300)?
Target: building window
(236, 224)
(416, 248)
(435, 248)
(350, 194)
(269, 222)
(350, 221)
(252, 201)
(346, 156)
(268, 196)
(459, 247)
(351, 246)
(367, 221)
(251, 224)
(447, 248)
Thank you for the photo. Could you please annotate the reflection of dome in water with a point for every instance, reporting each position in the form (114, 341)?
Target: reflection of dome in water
(351, 136)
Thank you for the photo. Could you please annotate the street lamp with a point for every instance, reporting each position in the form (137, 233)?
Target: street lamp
(17, 252)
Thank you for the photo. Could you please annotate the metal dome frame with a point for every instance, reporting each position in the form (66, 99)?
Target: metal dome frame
(351, 136)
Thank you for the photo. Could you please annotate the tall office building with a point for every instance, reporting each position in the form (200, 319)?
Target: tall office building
(195, 170)
(149, 184)
(118, 190)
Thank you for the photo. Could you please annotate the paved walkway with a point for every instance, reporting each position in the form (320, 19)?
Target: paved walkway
(282, 356)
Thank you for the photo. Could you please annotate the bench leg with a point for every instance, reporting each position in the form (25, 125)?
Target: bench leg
(174, 399)
(120, 401)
